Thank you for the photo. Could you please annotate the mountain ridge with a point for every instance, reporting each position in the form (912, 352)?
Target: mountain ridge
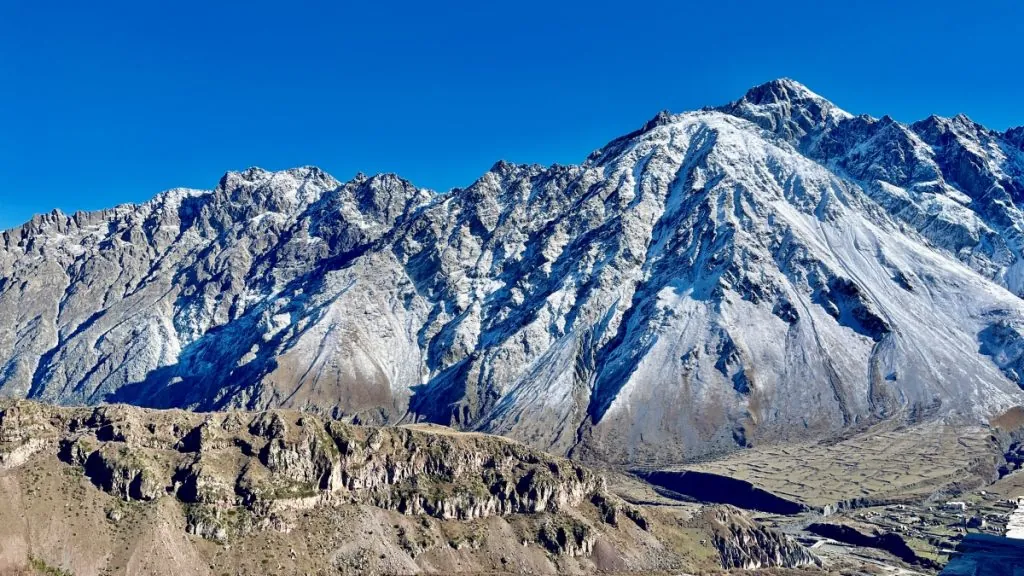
(734, 275)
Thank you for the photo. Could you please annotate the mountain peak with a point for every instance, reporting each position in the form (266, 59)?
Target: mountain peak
(787, 108)
(790, 92)
(780, 89)
(660, 119)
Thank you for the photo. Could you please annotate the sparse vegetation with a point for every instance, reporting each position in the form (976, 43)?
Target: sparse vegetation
(43, 569)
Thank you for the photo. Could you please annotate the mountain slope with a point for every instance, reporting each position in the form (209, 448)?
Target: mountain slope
(770, 269)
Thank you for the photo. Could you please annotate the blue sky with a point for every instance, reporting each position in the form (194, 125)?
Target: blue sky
(110, 102)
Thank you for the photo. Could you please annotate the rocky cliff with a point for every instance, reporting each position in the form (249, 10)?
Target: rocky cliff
(224, 489)
(284, 459)
(745, 544)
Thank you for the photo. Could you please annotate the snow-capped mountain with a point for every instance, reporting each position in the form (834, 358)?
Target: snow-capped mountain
(774, 268)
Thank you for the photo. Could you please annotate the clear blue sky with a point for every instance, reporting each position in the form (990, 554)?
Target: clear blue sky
(109, 102)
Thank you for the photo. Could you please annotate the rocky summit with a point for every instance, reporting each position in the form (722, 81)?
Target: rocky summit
(770, 269)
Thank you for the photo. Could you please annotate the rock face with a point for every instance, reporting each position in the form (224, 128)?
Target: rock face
(745, 544)
(770, 269)
(360, 499)
(285, 459)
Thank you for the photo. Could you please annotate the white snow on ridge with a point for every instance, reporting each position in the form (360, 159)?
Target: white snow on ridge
(775, 268)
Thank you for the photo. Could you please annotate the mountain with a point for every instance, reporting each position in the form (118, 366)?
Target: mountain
(771, 269)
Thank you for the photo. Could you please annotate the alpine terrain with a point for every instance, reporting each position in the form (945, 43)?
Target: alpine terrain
(770, 270)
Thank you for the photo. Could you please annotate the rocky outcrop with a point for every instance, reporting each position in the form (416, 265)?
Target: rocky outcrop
(743, 543)
(570, 538)
(442, 475)
(425, 492)
(117, 469)
(611, 508)
(273, 461)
